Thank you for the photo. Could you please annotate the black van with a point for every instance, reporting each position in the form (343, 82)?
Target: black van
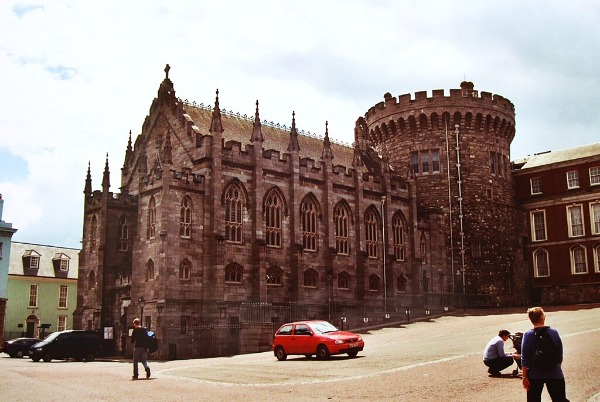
(75, 344)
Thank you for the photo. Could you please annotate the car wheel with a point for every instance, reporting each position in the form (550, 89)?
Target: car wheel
(353, 354)
(20, 354)
(280, 353)
(35, 359)
(322, 352)
(90, 357)
(47, 357)
(12, 355)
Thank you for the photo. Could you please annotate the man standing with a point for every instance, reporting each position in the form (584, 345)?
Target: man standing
(494, 356)
(535, 375)
(140, 353)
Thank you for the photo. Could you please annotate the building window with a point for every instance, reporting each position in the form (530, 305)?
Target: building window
(33, 296)
(273, 219)
(151, 218)
(414, 162)
(123, 233)
(308, 221)
(371, 233)
(435, 161)
(373, 283)
(578, 260)
(64, 264)
(149, 270)
(185, 270)
(398, 237)
(233, 213)
(597, 258)
(425, 162)
(185, 218)
(310, 278)
(595, 217)
(401, 282)
(93, 233)
(62, 296)
(538, 225)
(34, 262)
(573, 179)
(594, 175)
(540, 263)
(62, 323)
(341, 216)
(536, 185)
(274, 275)
(423, 248)
(234, 273)
(91, 280)
(493, 163)
(343, 280)
(575, 219)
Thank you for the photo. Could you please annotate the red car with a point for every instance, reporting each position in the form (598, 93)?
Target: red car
(318, 338)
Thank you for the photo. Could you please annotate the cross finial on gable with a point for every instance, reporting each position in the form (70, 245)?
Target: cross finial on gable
(167, 68)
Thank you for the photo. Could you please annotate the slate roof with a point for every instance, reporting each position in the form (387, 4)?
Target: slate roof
(564, 155)
(46, 254)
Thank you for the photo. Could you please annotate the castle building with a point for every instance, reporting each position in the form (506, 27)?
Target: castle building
(217, 210)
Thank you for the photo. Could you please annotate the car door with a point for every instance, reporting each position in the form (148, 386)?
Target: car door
(303, 340)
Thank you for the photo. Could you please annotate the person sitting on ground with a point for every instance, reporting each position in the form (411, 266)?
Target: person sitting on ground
(494, 356)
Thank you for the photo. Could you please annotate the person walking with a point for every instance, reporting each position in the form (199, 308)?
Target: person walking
(494, 355)
(140, 351)
(536, 373)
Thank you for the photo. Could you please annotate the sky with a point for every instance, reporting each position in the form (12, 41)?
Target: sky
(77, 76)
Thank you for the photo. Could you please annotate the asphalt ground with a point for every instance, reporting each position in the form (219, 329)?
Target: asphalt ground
(439, 359)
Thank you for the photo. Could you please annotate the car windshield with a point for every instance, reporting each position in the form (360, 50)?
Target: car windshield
(51, 336)
(323, 327)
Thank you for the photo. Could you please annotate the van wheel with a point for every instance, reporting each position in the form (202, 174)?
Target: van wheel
(35, 359)
(90, 357)
(280, 353)
(47, 357)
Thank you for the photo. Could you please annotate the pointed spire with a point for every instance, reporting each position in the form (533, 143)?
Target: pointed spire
(128, 151)
(215, 125)
(257, 134)
(327, 154)
(293, 145)
(88, 181)
(106, 176)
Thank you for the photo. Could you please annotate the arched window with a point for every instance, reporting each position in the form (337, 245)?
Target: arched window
(343, 280)
(233, 213)
(151, 218)
(273, 218)
(308, 221)
(398, 234)
(149, 270)
(185, 269)
(234, 273)
(93, 233)
(401, 282)
(274, 275)
(540, 263)
(311, 278)
(371, 233)
(374, 283)
(92, 280)
(185, 218)
(341, 216)
(578, 260)
(123, 233)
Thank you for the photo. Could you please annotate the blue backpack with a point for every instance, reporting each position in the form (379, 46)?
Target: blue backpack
(151, 341)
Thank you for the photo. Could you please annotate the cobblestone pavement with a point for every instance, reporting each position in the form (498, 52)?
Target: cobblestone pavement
(434, 360)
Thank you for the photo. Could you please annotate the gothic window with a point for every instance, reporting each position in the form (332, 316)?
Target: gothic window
(540, 263)
(185, 269)
(371, 233)
(311, 278)
(185, 218)
(123, 234)
(341, 216)
(234, 273)
(149, 270)
(399, 236)
(233, 213)
(343, 280)
(91, 280)
(93, 232)
(575, 219)
(273, 219)
(308, 220)
(578, 260)
(401, 282)
(538, 225)
(151, 218)
(374, 283)
(274, 275)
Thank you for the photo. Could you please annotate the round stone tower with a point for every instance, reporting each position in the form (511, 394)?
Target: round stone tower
(457, 148)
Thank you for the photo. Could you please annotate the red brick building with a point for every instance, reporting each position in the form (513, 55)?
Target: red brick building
(560, 192)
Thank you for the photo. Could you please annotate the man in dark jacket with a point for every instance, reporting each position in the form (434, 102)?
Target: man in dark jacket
(140, 353)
